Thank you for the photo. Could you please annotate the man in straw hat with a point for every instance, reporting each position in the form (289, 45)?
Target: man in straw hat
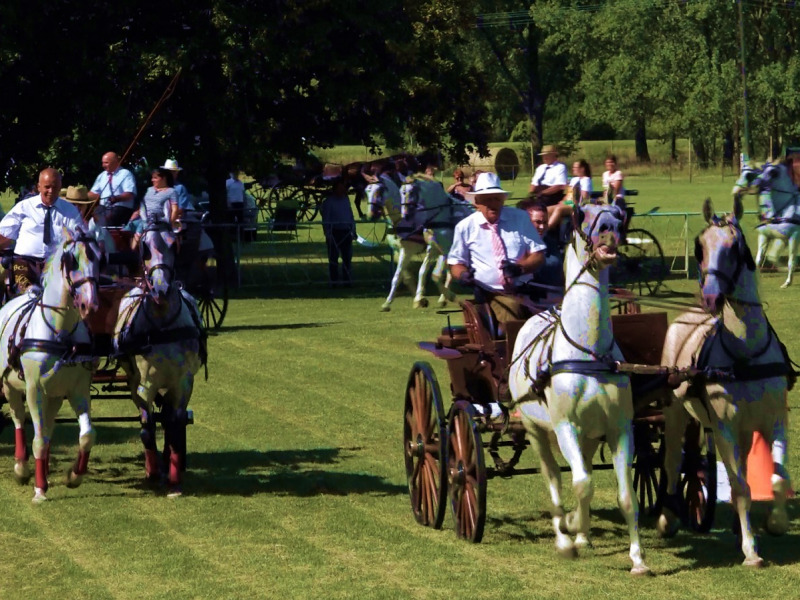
(115, 191)
(35, 226)
(494, 248)
(550, 178)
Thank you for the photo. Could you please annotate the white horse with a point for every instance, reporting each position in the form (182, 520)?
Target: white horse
(563, 378)
(46, 356)
(423, 217)
(779, 213)
(160, 332)
(747, 376)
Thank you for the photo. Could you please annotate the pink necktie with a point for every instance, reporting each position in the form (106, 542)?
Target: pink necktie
(499, 251)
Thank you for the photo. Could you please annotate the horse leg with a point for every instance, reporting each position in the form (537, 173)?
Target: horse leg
(441, 274)
(791, 249)
(148, 437)
(16, 402)
(175, 433)
(540, 439)
(621, 447)
(676, 419)
(761, 254)
(778, 519)
(422, 278)
(81, 406)
(582, 484)
(398, 275)
(732, 452)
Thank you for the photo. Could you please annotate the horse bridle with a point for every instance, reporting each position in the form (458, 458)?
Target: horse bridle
(66, 256)
(741, 258)
(148, 273)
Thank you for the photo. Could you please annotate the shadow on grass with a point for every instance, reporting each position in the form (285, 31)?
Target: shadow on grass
(228, 329)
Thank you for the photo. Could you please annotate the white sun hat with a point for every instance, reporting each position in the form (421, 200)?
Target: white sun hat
(171, 164)
(488, 183)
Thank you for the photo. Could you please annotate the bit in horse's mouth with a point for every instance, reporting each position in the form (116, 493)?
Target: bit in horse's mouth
(606, 253)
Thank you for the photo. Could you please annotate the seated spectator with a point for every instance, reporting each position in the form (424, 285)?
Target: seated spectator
(612, 178)
(459, 187)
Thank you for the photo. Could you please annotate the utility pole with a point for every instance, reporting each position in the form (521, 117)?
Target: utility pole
(748, 149)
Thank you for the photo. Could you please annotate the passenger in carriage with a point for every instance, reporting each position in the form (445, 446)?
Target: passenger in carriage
(160, 205)
(578, 191)
(459, 187)
(549, 181)
(36, 225)
(613, 178)
(495, 248)
(115, 191)
(184, 202)
(551, 273)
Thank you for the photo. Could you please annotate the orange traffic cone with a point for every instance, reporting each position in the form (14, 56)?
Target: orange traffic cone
(760, 470)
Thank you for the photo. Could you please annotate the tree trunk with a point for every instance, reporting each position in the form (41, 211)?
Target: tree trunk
(642, 154)
(727, 149)
(700, 152)
(673, 148)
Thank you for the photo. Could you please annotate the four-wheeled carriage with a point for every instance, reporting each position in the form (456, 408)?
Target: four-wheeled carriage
(290, 194)
(444, 445)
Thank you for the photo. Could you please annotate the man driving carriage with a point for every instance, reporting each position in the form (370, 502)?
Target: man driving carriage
(35, 227)
(115, 191)
(495, 248)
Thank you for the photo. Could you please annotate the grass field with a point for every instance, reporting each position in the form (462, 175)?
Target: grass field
(296, 485)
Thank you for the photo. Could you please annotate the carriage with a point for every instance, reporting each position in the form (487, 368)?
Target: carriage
(453, 451)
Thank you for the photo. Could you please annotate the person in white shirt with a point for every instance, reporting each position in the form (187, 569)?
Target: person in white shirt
(494, 248)
(115, 191)
(234, 189)
(549, 181)
(612, 177)
(35, 227)
(579, 191)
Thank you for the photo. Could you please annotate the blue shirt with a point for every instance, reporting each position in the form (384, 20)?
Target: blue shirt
(122, 181)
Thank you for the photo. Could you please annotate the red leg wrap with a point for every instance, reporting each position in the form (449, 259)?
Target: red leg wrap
(41, 474)
(82, 463)
(20, 449)
(150, 463)
(174, 468)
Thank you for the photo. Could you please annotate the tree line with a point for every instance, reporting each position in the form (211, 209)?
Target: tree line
(247, 83)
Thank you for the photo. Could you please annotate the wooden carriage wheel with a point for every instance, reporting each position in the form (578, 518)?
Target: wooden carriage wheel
(698, 484)
(261, 194)
(648, 460)
(310, 201)
(466, 472)
(424, 445)
(212, 296)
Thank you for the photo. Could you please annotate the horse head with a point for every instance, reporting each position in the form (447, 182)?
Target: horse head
(376, 201)
(722, 253)
(158, 258)
(409, 199)
(81, 259)
(602, 228)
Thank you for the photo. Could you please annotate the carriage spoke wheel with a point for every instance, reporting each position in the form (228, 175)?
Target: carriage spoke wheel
(466, 472)
(648, 449)
(279, 194)
(212, 297)
(424, 445)
(641, 266)
(309, 205)
(698, 485)
(261, 195)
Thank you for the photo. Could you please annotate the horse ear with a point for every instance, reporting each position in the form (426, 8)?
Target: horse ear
(738, 207)
(708, 210)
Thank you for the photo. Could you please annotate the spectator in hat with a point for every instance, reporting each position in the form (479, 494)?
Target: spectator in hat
(35, 227)
(339, 226)
(494, 248)
(184, 203)
(115, 192)
(550, 178)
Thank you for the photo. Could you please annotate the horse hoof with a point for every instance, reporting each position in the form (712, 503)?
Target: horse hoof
(38, 496)
(667, 525)
(582, 542)
(385, 308)
(441, 303)
(641, 571)
(753, 563)
(73, 480)
(777, 522)
(569, 552)
(175, 493)
(22, 474)
(421, 303)
(786, 284)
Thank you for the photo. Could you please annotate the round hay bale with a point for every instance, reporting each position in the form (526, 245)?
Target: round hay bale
(506, 164)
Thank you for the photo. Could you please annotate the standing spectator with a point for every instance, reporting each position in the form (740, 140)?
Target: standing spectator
(612, 178)
(115, 190)
(37, 225)
(550, 178)
(459, 187)
(494, 246)
(234, 189)
(339, 227)
(184, 203)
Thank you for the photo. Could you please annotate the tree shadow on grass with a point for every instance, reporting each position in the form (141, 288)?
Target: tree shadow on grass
(249, 472)
(274, 327)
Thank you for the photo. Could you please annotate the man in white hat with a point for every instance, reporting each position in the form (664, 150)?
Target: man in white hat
(550, 178)
(180, 190)
(36, 225)
(494, 248)
(115, 190)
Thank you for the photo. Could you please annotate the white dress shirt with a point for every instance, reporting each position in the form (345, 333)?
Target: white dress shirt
(472, 244)
(25, 224)
(549, 175)
(122, 181)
